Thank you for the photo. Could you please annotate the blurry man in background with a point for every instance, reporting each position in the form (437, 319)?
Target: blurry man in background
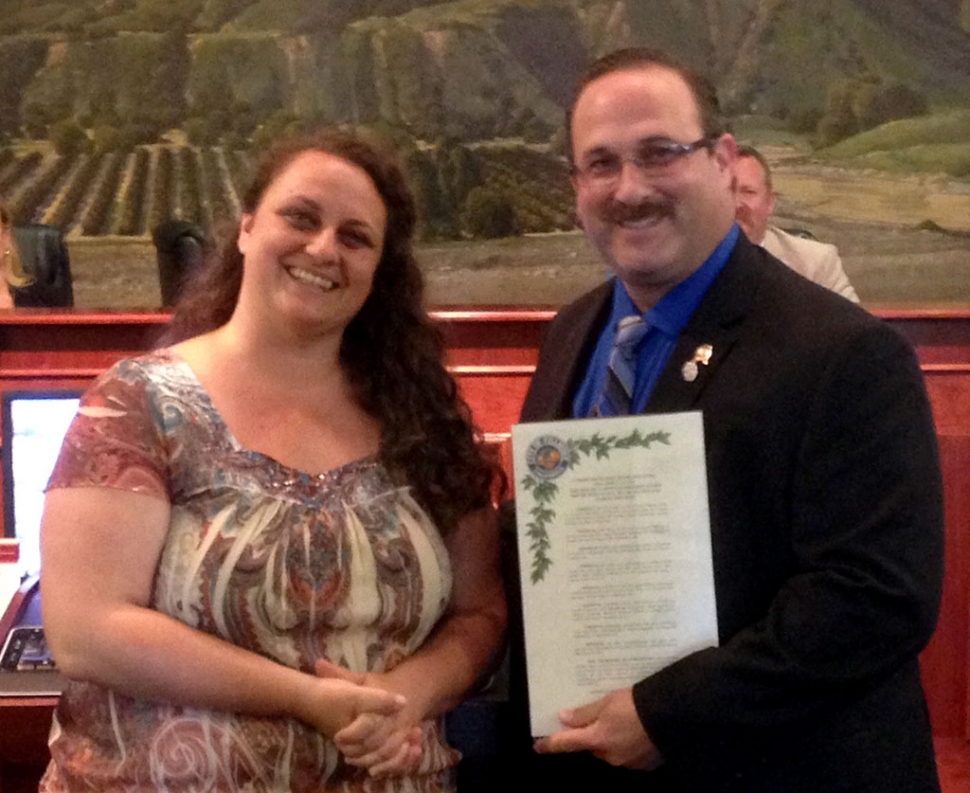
(755, 197)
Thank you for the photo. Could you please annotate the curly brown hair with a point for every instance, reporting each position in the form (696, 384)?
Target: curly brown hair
(391, 352)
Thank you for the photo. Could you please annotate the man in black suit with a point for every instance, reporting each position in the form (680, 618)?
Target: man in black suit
(825, 492)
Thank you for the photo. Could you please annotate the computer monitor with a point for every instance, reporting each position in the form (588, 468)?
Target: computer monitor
(34, 424)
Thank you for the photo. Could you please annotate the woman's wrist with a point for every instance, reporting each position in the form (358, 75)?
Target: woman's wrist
(301, 697)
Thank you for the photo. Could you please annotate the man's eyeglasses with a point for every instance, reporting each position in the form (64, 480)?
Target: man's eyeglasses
(652, 156)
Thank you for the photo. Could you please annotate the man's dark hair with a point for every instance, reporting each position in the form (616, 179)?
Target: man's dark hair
(744, 150)
(632, 58)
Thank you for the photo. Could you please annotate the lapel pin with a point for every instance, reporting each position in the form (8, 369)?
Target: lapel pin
(702, 355)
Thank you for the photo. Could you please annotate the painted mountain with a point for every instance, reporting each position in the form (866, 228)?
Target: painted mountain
(147, 107)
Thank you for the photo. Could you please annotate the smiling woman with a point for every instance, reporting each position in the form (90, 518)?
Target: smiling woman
(318, 230)
(303, 573)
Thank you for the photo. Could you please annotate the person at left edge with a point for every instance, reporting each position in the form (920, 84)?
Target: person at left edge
(12, 275)
(269, 555)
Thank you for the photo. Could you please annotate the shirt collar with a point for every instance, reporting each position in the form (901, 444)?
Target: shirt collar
(675, 308)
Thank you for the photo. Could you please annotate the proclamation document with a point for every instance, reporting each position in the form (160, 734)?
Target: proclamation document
(614, 552)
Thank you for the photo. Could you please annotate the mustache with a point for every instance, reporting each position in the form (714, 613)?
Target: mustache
(622, 212)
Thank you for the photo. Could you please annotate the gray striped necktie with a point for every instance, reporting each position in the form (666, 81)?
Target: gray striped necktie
(621, 373)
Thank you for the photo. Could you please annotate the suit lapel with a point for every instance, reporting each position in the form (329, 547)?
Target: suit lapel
(564, 362)
(717, 323)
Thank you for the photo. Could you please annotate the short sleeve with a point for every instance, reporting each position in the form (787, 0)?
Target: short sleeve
(114, 441)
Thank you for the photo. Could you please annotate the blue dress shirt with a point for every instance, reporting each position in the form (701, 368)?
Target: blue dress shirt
(666, 320)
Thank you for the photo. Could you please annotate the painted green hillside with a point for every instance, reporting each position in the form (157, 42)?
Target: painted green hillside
(937, 143)
(116, 112)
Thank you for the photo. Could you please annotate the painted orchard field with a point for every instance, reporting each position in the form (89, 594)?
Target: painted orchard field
(904, 235)
(114, 193)
(117, 115)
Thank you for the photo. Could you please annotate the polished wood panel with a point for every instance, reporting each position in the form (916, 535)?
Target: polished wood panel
(953, 764)
(24, 727)
(63, 345)
(944, 663)
(942, 342)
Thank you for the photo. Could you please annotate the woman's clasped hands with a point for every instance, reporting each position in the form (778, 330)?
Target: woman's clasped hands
(384, 741)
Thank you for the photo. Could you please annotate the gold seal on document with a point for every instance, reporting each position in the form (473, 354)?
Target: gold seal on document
(548, 457)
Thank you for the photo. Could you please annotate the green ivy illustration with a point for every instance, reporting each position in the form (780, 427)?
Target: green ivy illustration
(544, 492)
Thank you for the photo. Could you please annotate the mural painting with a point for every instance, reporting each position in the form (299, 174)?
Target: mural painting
(118, 114)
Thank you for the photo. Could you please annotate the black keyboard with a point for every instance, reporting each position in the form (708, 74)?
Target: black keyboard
(26, 650)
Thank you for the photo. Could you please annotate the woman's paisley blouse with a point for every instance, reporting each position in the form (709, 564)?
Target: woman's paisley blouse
(293, 566)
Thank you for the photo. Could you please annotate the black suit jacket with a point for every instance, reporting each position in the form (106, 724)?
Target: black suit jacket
(827, 526)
